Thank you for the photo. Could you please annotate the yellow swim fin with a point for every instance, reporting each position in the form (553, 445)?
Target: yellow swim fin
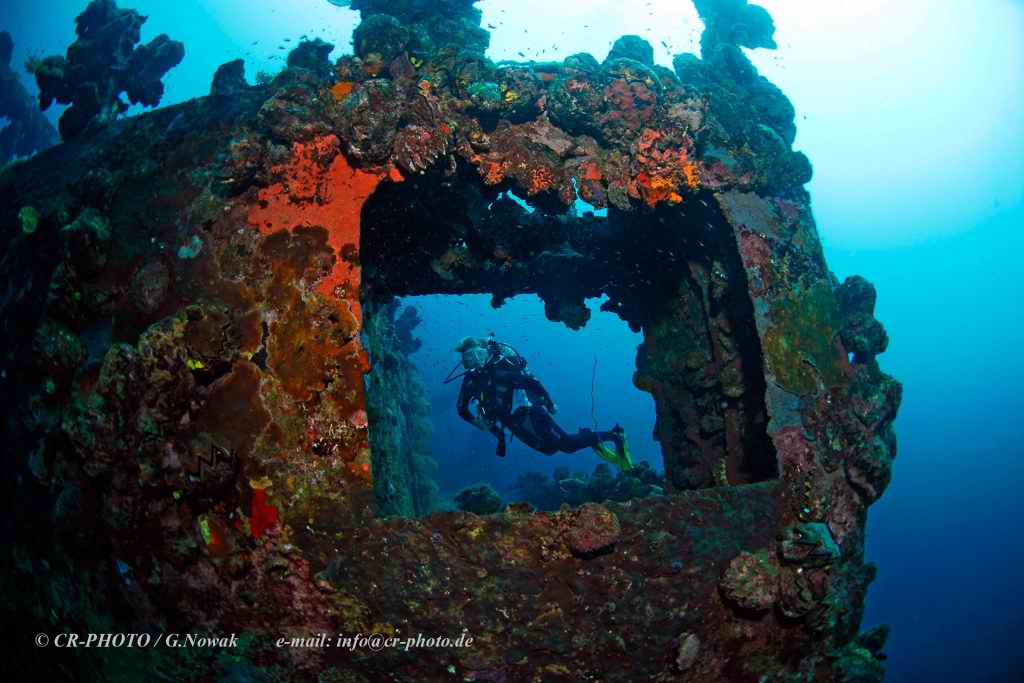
(606, 454)
(622, 462)
(625, 460)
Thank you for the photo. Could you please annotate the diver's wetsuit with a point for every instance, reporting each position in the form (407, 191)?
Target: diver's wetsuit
(493, 386)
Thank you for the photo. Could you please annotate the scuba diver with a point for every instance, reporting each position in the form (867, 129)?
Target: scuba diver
(507, 396)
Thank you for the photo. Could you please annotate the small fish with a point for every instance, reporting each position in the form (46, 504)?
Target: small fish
(491, 26)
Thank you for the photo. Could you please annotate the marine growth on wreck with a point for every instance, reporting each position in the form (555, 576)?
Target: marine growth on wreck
(216, 427)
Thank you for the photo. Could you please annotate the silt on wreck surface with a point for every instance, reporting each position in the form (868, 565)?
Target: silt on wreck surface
(213, 425)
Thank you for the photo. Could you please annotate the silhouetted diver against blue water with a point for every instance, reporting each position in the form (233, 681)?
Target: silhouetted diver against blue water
(506, 395)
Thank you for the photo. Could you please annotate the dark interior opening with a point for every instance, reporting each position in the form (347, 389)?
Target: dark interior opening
(673, 273)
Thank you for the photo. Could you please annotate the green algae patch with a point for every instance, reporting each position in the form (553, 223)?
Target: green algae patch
(800, 346)
(29, 219)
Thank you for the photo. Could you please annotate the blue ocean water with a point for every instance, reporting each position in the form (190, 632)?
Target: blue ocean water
(947, 534)
(562, 359)
(913, 115)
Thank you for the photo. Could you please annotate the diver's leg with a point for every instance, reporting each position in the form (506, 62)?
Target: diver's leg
(570, 443)
(562, 440)
(525, 428)
(537, 429)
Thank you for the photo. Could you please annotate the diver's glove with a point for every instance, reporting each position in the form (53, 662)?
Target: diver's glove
(552, 408)
(481, 423)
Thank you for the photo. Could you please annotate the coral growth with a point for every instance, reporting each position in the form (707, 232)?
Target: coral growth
(229, 79)
(102, 64)
(751, 580)
(576, 488)
(213, 408)
(862, 335)
(480, 499)
(593, 529)
(403, 464)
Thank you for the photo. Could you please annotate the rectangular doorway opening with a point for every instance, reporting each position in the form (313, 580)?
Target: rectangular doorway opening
(427, 458)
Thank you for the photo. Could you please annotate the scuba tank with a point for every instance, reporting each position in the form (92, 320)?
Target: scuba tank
(500, 351)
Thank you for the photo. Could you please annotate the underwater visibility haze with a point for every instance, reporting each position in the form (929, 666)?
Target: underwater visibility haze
(494, 340)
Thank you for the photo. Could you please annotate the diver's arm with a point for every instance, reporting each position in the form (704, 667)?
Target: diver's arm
(478, 420)
(462, 405)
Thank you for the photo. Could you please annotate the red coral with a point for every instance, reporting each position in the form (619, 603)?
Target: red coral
(263, 514)
(319, 187)
(661, 169)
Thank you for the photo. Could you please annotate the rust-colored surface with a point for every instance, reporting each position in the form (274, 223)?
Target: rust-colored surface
(320, 188)
(189, 414)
